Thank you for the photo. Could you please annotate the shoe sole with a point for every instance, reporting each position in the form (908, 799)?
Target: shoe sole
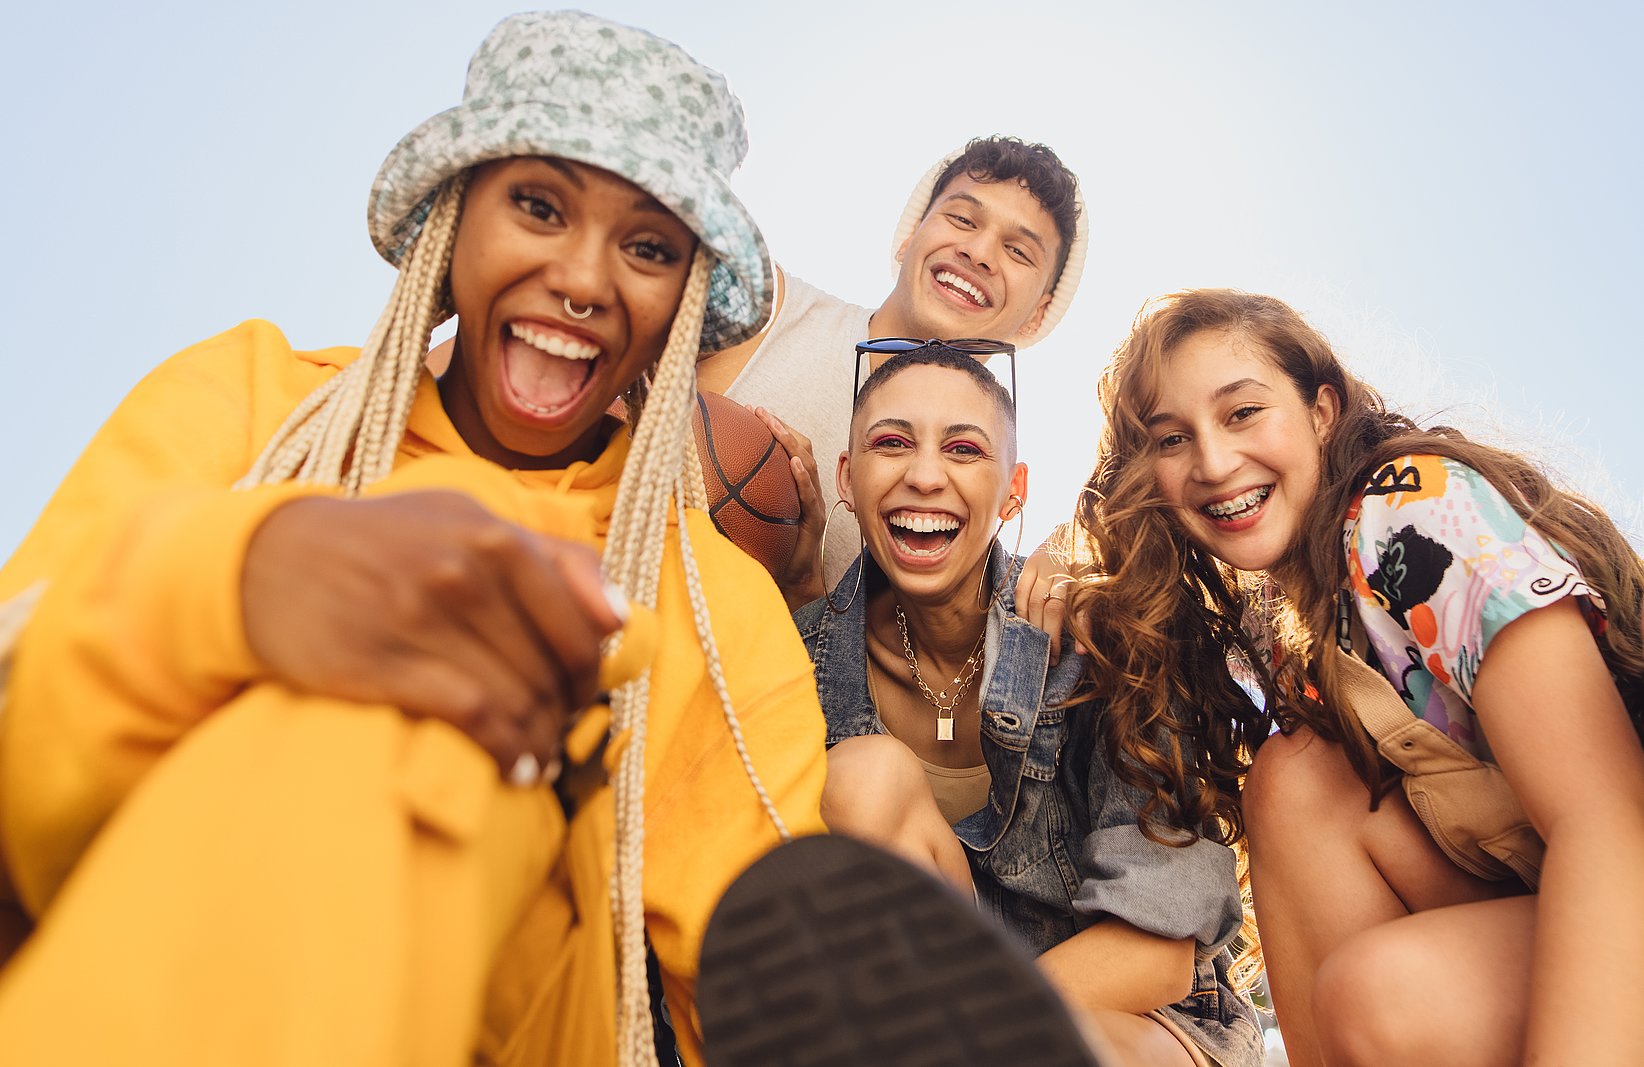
(828, 952)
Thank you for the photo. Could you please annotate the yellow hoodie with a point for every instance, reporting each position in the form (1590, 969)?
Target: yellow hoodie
(138, 640)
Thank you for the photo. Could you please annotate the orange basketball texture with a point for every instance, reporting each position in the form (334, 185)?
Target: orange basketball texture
(751, 494)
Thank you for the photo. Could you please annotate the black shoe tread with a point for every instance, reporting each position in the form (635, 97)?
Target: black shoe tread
(828, 953)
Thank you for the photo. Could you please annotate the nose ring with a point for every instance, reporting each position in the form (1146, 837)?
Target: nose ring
(584, 313)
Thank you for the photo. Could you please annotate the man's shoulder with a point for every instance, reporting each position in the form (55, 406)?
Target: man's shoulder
(814, 327)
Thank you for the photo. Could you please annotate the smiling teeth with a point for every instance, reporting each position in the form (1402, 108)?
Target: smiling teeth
(924, 523)
(1228, 509)
(950, 279)
(553, 344)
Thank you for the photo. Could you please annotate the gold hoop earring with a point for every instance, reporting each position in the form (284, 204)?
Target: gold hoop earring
(822, 562)
(983, 595)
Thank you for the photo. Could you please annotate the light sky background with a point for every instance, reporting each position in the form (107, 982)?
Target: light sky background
(1450, 191)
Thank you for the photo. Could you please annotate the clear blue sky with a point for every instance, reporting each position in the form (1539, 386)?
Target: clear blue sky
(1450, 191)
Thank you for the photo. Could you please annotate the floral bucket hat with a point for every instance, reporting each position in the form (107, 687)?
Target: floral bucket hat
(568, 84)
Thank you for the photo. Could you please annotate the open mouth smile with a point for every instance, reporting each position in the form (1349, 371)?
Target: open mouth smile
(1238, 508)
(964, 289)
(547, 370)
(923, 534)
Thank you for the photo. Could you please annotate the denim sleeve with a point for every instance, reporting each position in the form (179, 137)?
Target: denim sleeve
(1174, 892)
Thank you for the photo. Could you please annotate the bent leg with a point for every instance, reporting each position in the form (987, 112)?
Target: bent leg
(1324, 868)
(299, 881)
(1443, 987)
(876, 792)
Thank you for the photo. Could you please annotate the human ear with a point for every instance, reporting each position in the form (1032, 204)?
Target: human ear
(842, 482)
(1326, 409)
(1026, 331)
(1017, 500)
(902, 249)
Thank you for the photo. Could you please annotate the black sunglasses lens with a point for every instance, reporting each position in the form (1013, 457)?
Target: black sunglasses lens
(970, 346)
(890, 345)
(975, 347)
(979, 346)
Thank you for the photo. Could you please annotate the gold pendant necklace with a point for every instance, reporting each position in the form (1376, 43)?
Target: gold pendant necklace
(960, 684)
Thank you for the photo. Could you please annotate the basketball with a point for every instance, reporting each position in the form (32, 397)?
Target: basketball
(751, 493)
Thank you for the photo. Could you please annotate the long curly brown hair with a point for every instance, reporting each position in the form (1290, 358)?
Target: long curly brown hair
(1164, 616)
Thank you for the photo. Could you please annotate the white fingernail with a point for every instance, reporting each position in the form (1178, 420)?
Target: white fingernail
(618, 600)
(525, 772)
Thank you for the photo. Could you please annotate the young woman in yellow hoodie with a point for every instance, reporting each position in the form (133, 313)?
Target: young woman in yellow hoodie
(303, 751)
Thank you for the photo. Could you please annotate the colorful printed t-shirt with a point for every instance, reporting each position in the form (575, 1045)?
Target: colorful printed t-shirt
(1439, 562)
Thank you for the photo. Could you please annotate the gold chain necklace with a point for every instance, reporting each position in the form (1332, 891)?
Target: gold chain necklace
(960, 684)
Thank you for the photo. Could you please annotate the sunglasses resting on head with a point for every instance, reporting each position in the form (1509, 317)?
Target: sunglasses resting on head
(978, 348)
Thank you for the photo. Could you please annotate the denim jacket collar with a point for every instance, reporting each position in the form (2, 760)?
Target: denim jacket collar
(1019, 688)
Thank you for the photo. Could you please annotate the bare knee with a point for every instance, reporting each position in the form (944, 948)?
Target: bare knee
(1374, 997)
(1370, 1005)
(877, 792)
(873, 781)
(1297, 776)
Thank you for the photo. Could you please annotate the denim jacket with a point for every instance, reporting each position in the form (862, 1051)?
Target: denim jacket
(1057, 846)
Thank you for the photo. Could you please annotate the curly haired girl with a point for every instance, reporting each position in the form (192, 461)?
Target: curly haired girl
(1245, 476)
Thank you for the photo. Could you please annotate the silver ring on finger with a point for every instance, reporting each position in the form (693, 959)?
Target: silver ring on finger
(528, 771)
(525, 772)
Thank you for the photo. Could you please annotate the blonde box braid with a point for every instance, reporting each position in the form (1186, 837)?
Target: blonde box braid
(662, 464)
(346, 434)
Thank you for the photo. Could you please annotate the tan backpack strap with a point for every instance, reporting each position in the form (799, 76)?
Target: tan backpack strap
(1413, 745)
(1373, 698)
(1467, 805)
(1400, 735)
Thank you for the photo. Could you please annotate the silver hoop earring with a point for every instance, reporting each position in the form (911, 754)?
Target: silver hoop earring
(822, 562)
(983, 594)
(584, 313)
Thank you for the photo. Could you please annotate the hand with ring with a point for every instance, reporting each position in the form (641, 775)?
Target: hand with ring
(1043, 589)
(426, 601)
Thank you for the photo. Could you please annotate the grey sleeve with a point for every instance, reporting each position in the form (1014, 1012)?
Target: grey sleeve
(1175, 892)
